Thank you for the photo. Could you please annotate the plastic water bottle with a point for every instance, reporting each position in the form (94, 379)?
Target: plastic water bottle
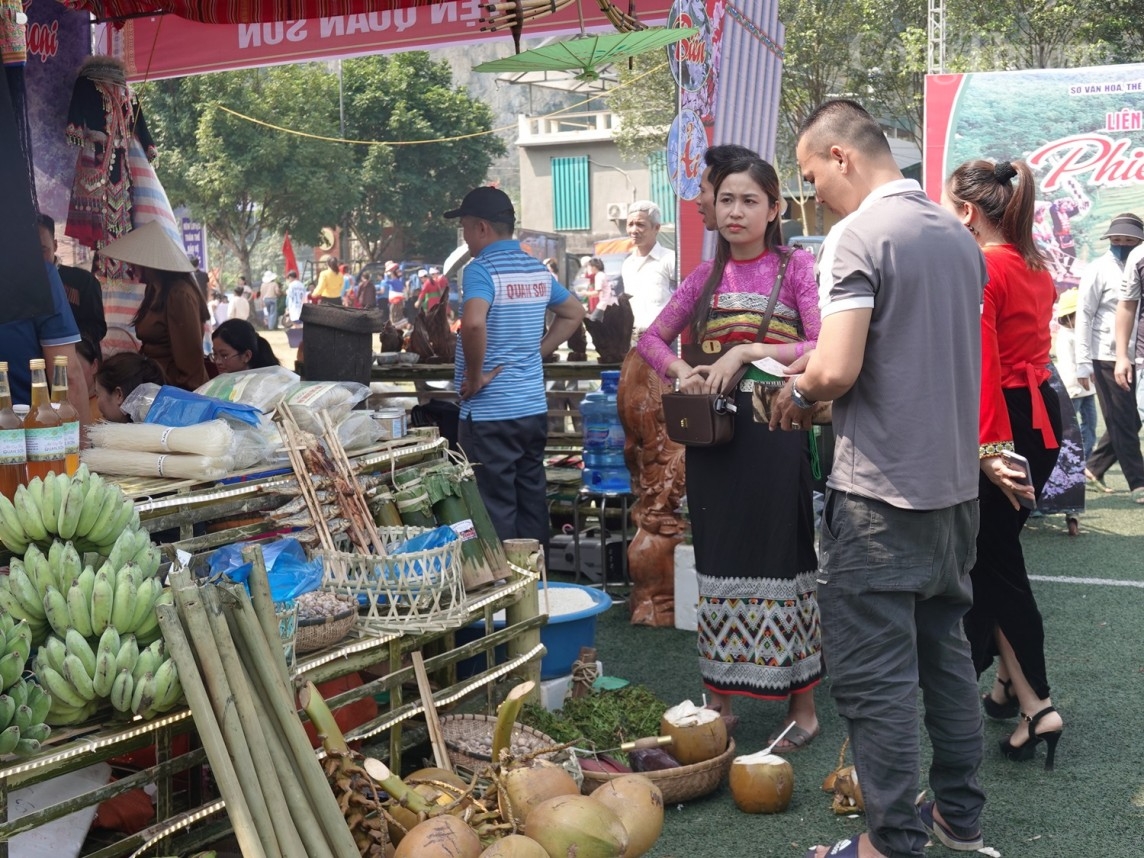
(604, 468)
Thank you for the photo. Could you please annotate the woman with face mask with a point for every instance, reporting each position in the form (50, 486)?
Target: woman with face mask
(1097, 299)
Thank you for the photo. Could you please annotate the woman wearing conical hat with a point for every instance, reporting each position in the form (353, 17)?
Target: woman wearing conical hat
(169, 321)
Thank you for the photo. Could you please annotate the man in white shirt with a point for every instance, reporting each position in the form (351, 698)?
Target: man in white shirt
(240, 306)
(649, 273)
(295, 296)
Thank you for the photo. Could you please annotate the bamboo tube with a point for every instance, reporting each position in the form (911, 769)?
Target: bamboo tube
(506, 718)
(190, 604)
(264, 605)
(436, 737)
(521, 552)
(281, 789)
(255, 652)
(209, 732)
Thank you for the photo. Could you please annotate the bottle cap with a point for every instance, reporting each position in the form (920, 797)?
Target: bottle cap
(36, 363)
(3, 366)
(61, 360)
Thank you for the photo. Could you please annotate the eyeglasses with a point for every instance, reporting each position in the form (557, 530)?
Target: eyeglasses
(220, 357)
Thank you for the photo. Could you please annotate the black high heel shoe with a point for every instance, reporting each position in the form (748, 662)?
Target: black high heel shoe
(1027, 750)
(1002, 711)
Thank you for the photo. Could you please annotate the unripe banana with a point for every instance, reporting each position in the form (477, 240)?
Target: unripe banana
(126, 593)
(70, 565)
(55, 554)
(52, 653)
(112, 518)
(148, 662)
(50, 503)
(26, 747)
(39, 701)
(9, 604)
(122, 550)
(57, 612)
(110, 642)
(168, 689)
(79, 678)
(102, 602)
(92, 502)
(79, 610)
(86, 580)
(19, 639)
(38, 732)
(11, 667)
(11, 531)
(9, 739)
(21, 692)
(78, 646)
(7, 711)
(145, 595)
(70, 510)
(20, 583)
(61, 715)
(22, 718)
(40, 570)
(59, 687)
(104, 675)
(122, 691)
(128, 654)
(143, 694)
(149, 630)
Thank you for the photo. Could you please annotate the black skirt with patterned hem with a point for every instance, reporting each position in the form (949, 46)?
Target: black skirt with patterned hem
(753, 524)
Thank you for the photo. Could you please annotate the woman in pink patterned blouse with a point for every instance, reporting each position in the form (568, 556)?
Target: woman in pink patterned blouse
(750, 500)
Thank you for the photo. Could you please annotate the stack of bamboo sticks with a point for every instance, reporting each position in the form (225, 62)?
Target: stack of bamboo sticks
(506, 14)
(230, 661)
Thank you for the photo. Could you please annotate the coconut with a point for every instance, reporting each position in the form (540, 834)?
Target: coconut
(761, 783)
(440, 837)
(515, 846)
(525, 787)
(431, 774)
(639, 804)
(434, 793)
(697, 733)
(576, 825)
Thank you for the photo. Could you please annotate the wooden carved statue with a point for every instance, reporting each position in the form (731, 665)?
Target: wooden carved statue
(657, 467)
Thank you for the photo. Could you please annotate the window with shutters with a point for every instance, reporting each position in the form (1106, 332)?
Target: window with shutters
(571, 202)
(662, 194)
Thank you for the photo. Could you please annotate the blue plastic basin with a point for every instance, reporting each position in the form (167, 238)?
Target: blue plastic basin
(563, 636)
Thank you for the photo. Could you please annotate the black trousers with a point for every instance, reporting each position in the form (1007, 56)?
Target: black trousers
(1121, 439)
(1002, 595)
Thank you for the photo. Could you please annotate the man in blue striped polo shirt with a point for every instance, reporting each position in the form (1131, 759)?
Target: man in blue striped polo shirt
(504, 411)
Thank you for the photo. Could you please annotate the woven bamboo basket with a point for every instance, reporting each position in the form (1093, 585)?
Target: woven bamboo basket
(682, 784)
(469, 739)
(318, 634)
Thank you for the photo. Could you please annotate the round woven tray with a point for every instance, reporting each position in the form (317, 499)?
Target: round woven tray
(313, 635)
(469, 739)
(682, 784)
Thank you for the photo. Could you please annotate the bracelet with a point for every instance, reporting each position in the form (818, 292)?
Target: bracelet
(798, 399)
(995, 448)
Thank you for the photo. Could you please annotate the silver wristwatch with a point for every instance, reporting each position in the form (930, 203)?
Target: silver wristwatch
(798, 399)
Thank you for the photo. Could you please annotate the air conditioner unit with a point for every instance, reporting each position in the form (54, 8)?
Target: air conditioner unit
(617, 211)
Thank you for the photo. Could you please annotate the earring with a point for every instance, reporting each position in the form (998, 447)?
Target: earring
(972, 229)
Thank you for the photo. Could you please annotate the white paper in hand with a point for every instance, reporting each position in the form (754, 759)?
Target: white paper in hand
(770, 366)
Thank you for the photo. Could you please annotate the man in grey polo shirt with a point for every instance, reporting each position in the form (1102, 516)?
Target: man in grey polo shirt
(899, 353)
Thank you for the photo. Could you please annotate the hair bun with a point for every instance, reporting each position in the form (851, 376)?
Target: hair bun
(1004, 171)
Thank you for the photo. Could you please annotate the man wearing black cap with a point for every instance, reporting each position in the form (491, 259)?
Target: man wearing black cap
(504, 422)
(1096, 353)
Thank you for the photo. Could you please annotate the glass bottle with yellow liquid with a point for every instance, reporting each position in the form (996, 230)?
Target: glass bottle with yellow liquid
(13, 455)
(43, 429)
(69, 417)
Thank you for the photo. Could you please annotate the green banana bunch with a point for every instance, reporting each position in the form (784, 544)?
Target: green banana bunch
(22, 714)
(156, 692)
(15, 649)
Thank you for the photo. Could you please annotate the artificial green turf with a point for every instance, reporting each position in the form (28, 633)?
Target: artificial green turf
(1091, 805)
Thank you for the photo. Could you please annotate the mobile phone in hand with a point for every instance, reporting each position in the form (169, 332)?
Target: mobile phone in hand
(1017, 462)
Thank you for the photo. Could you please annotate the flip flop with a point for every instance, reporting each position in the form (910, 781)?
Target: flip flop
(841, 849)
(945, 835)
(795, 740)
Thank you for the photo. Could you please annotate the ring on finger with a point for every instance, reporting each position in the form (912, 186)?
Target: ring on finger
(796, 425)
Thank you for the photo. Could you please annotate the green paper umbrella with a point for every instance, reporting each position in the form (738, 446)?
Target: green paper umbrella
(587, 53)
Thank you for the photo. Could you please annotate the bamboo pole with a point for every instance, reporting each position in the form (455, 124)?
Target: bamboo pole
(264, 605)
(256, 655)
(209, 732)
(299, 828)
(363, 517)
(190, 604)
(521, 552)
(436, 737)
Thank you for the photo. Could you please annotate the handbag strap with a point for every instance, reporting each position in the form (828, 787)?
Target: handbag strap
(765, 325)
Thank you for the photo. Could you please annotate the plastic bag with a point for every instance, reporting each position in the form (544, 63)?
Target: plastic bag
(138, 402)
(290, 573)
(263, 388)
(174, 406)
(358, 430)
(310, 399)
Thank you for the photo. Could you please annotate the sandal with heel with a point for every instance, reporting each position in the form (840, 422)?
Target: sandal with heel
(1028, 749)
(1001, 711)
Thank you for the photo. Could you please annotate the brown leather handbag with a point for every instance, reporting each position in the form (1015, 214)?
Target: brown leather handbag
(708, 419)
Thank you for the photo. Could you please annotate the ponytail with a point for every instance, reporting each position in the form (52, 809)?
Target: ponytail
(1007, 207)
